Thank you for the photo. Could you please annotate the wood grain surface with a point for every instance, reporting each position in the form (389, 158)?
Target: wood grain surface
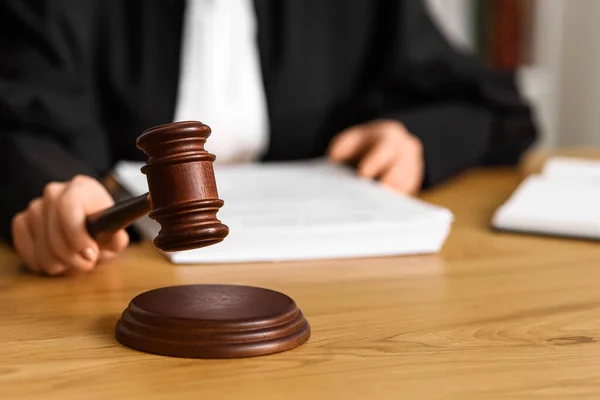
(493, 316)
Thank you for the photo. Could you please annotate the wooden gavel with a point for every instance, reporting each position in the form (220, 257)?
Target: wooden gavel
(182, 194)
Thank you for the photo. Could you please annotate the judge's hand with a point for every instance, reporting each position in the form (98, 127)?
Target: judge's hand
(385, 150)
(50, 235)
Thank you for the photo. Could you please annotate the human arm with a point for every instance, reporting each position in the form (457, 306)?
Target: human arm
(48, 126)
(462, 113)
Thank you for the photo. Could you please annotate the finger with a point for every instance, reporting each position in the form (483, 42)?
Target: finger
(45, 260)
(23, 241)
(117, 244)
(58, 244)
(350, 144)
(404, 176)
(72, 213)
(52, 264)
(380, 158)
(396, 178)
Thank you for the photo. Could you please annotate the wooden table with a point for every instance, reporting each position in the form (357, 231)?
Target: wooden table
(494, 316)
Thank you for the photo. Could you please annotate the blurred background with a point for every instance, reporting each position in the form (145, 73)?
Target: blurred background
(553, 46)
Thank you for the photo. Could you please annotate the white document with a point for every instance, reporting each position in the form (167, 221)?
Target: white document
(563, 200)
(305, 210)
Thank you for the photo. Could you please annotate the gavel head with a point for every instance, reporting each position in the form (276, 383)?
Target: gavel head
(182, 187)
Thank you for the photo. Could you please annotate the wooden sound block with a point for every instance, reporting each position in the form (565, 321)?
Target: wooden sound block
(212, 321)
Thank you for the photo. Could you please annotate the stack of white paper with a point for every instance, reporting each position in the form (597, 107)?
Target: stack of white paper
(563, 200)
(306, 210)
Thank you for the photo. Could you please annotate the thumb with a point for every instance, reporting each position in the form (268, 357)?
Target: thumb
(350, 144)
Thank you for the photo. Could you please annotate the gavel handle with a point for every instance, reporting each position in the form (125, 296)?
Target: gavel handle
(103, 224)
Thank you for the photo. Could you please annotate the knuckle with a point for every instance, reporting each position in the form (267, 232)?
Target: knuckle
(52, 189)
(35, 205)
(81, 180)
(391, 127)
(19, 227)
(416, 143)
(18, 221)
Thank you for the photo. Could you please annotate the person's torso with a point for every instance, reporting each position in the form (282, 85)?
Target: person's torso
(319, 60)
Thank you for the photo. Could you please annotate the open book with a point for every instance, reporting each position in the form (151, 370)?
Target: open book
(305, 210)
(562, 200)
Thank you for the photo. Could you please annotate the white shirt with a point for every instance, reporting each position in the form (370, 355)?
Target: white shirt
(220, 80)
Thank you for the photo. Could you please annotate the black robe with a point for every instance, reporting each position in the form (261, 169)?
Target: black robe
(81, 79)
